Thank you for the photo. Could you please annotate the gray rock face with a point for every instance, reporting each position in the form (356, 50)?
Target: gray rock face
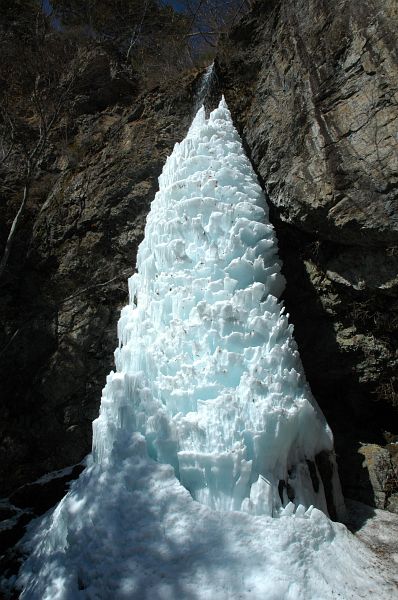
(67, 275)
(382, 467)
(323, 123)
(313, 90)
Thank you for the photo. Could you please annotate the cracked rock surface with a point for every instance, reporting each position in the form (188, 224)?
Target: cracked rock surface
(313, 89)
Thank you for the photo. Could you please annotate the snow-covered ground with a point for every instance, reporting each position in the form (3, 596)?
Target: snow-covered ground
(378, 530)
(203, 480)
(130, 530)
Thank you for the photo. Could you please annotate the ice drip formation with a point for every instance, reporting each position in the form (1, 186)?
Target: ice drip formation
(207, 368)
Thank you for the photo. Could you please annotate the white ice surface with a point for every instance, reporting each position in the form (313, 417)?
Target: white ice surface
(207, 368)
(130, 531)
(209, 387)
(377, 529)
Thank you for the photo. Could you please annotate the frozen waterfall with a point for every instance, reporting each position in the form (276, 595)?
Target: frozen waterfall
(203, 481)
(207, 368)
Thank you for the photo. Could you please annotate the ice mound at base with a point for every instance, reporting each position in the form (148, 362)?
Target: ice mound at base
(127, 530)
(209, 403)
(207, 368)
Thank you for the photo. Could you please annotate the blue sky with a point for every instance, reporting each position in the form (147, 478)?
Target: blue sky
(175, 4)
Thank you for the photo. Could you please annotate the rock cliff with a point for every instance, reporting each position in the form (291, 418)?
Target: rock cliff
(313, 88)
(66, 280)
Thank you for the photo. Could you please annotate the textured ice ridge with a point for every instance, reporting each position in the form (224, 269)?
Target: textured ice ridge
(207, 368)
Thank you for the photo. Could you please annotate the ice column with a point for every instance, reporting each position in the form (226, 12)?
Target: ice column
(207, 367)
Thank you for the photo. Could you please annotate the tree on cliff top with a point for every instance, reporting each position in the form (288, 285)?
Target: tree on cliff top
(43, 57)
(142, 32)
(210, 18)
(43, 46)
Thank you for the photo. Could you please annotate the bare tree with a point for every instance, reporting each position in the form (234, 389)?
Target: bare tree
(210, 18)
(36, 97)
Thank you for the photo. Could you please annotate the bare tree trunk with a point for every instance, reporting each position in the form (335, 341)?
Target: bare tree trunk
(137, 30)
(46, 124)
(13, 230)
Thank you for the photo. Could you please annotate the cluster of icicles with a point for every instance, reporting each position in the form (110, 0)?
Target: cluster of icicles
(207, 368)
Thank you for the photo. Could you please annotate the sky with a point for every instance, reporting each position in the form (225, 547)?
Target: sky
(174, 3)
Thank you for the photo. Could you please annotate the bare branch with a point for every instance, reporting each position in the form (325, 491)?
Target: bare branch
(121, 275)
(137, 30)
(10, 341)
(194, 33)
(13, 229)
